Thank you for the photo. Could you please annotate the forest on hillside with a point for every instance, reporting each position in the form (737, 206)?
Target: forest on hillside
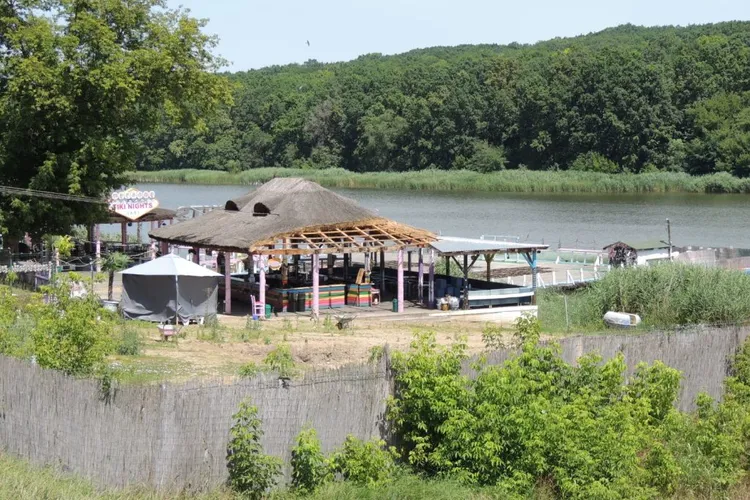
(627, 99)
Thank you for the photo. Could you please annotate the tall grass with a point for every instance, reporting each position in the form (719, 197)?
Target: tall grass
(519, 181)
(663, 295)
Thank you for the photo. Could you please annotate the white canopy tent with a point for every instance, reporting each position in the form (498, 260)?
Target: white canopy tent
(168, 289)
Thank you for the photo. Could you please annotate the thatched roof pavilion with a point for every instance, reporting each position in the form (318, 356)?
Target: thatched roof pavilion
(291, 216)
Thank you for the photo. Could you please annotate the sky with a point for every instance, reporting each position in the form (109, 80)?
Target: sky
(256, 33)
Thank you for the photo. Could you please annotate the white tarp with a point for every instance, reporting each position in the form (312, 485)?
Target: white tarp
(167, 288)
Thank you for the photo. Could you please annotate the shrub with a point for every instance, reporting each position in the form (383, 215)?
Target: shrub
(594, 162)
(365, 462)
(71, 335)
(251, 472)
(248, 370)
(129, 342)
(281, 361)
(310, 468)
(585, 431)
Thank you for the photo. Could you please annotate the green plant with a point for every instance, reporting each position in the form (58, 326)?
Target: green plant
(365, 462)
(267, 340)
(249, 369)
(64, 246)
(71, 335)
(310, 467)
(376, 353)
(281, 361)
(328, 325)
(211, 330)
(129, 342)
(493, 337)
(251, 472)
(112, 263)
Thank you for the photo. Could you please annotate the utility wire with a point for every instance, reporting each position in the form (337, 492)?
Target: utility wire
(8, 190)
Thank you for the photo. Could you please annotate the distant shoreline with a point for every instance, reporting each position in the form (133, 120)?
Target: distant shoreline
(508, 181)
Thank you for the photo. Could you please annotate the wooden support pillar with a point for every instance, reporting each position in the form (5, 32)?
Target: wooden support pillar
(382, 273)
(196, 255)
(124, 233)
(447, 266)
(420, 278)
(228, 283)
(466, 283)
(431, 289)
(346, 266)
(400, 279)
(488, 259)
(408, 260)
(164, 247)
(262, 281)
(138, 233)
(316, 286)
(330, 261)
(98, 250)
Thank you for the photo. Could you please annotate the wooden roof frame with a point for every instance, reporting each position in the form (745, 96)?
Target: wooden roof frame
(365, 237)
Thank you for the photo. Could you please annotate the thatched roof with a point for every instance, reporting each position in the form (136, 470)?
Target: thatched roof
(157, 214)
(295, 216)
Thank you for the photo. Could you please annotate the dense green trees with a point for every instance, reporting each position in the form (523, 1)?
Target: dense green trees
(81, 83)
(627, 99)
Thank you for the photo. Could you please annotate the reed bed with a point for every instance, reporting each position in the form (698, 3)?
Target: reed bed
(512, 181)
(663, 295)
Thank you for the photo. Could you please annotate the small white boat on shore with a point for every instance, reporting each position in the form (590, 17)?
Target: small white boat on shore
(621, 320)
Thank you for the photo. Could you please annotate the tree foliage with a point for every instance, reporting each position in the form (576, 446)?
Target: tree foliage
(627, 99)
(585, 431)
(80, 82)
(251, 472)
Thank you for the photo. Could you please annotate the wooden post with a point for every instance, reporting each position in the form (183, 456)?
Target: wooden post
(420, 278)
(330, 259)
(447, 265)
(466, 282)
(346, 266)
(97, 237)
(316, 286)
(431, 291)
(227, 283)
(382, 273)
(262, 282)
(196, 255)
(138, 233)
(488, 258)
(124, 233)
(400, 278)
(408, 260)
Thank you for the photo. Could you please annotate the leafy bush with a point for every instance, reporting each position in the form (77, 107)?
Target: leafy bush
(251, 472)
(71, 335)
(280, 360)
(310, 467)
(249, 369)
(16, 326)
(587, 431)
(365, 462)
(594, 162)
(129, 342)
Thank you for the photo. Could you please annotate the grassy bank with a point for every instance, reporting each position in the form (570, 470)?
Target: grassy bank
(513, 181)
(664, 296)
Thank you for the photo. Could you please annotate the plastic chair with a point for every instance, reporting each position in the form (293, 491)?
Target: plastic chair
(257, 308)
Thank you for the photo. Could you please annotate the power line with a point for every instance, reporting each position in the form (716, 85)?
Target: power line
(35, 193)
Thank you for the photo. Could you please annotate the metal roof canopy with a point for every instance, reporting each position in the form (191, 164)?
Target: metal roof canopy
(452, 246)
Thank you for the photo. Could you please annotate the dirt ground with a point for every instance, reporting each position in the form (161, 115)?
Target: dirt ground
(221, 350)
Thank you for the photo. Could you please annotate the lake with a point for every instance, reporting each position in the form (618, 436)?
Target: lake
(572, 220)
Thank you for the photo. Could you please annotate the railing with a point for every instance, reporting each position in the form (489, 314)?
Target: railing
(560, 279)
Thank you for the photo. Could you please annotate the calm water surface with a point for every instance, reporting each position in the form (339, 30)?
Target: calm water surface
(583, 220)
